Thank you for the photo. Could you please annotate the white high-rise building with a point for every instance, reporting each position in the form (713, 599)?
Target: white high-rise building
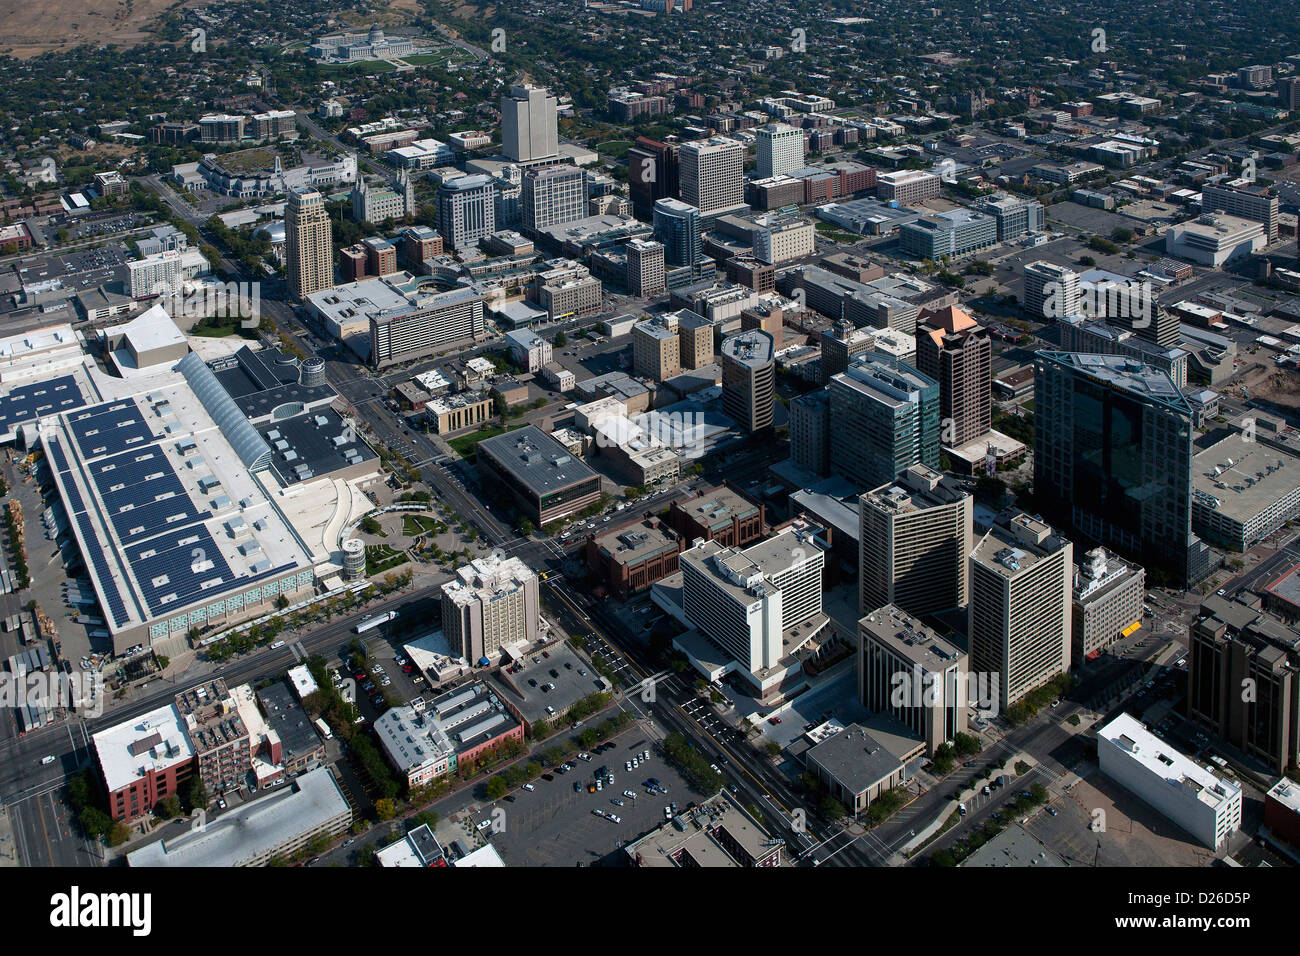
(1051, 291)
(158, 274)
(529, 123)
(779, 148)
(552, 196)
(712, 175)
(491, 603)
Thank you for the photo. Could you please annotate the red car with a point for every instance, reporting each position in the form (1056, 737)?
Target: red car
(775, 720)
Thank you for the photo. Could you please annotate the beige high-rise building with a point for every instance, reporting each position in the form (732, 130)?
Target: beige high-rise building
(908, 671)
(1020, 621)
(309, 250)
(713, 175)
(696, 334)
(492, 602)
(656, 350)
(749, 379)
(915, 539)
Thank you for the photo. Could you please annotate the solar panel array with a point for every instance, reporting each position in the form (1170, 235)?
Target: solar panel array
(77, 506)
(171, 553)
(27, 403)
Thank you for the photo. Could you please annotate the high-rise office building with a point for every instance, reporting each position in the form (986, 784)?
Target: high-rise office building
(553, 195)
(467, 210)
(652, 174)
(1109, 594)
(779, 148)
(1019, 619)
(915, 536)
(884, 417)
(1113, 459)
(954, 350)
(1051, 291)
(309, 248)
(656, 349)
(1288, 92)
(645, 267)
(491, 603)
(749, 379)
(1243, 199)
(713, 175)
(906, 670)
(1231, 643)
(529, 123)
(810, 426)
(677, 226)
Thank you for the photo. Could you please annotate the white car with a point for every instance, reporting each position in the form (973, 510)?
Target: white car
(627, 765)
(529, 787)
(630, 794)
(47, 759)
(613, 818)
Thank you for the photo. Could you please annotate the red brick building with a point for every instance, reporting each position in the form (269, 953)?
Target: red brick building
(629, 559)
(144, 761)
(722, 515)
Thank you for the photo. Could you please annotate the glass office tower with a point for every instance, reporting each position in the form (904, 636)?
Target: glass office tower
(1113, 459)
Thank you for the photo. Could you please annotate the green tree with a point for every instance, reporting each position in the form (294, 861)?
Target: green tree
(496, 788)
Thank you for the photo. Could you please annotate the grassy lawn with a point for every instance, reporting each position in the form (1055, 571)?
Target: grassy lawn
(465, 444)
(214, 328)
(418, 524)
(381, 558)
(616, 148)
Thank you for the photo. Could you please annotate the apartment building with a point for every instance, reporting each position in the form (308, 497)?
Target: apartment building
(490, 604)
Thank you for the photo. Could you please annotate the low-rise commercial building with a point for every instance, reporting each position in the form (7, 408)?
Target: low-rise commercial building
(630, 559)
(1207, 807)
(855, 768)
(547, 483)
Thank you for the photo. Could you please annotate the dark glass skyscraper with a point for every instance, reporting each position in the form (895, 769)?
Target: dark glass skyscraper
(1113, 459)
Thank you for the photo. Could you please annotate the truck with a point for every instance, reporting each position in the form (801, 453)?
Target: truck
(371, 623)
(324, 728)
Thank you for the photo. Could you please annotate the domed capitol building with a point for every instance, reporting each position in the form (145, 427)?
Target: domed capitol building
(356, 47)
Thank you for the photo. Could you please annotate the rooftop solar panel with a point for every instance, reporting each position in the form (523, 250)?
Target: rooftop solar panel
(26, 403)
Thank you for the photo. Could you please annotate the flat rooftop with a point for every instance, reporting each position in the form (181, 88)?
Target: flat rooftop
(1240, 478)
(718, 508)
(1161, 760)
(634, 543)
(153, 741)
(314, 444)
(1009, 549)
(1144, 381)
(250, 830)
(537, 460)
(909, 639)
(1014, 846)
(916, 488)
(854, 759)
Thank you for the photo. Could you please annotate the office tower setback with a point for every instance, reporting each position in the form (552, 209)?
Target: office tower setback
(553, 195)
(779, 148)
(749, 379)
(906, 670)
(884, 418)
(492, 603)
(1019, 618)
(712, 175)
(915, 537)
(529, 123)
(467, 210)
(309, 249)
(1113, 459)
(954, 350)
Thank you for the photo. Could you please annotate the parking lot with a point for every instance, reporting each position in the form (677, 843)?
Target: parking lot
(555, 826)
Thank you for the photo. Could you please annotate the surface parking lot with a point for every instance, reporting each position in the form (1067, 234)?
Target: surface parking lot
(553, 826)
